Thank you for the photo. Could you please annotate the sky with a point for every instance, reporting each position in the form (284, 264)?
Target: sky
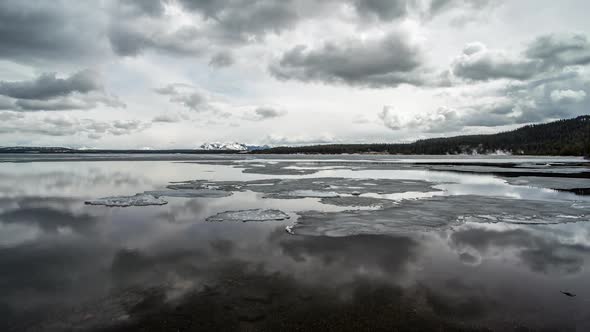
(179, 73)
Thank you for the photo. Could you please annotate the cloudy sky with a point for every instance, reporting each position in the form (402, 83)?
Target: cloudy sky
(178, 73)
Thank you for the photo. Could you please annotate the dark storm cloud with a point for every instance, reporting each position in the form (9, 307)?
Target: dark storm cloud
(221, 59)
(187, 96)
(558, 50)
(564, 95)
(138, 26)
(438, 6)
(210, 8)
(167, 90)
(64, 126)
(84, 102)
(268, 113)
(80, 91)
(553, 97)
(48, 86)
(149, 7)
(52, 105)
(41, 31)
(225, 23)
(256, 18)
(6, 104)
(275, 15)
(382, 9)
(522, 107)
(125, 41)
(478, 63)
(194, 100)
(544, 54)
(547, 82)
(169, 118)
(66, 31)
(131, 40)
(386, 62)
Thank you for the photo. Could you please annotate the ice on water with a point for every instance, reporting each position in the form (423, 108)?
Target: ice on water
(250, 215)
(190, 193)
(126, 201)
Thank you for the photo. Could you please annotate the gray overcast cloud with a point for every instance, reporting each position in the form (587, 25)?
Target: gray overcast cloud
(178, 73)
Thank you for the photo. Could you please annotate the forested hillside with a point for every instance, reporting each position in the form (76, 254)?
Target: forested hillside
(563, 137)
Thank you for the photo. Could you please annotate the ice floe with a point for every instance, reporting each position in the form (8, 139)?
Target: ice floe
(312, 193)
(125, 201)
(190, 193)
(438, 213)
(549, 182)
(250, 215)
(355, 201)
(289, 229)
(312, 187)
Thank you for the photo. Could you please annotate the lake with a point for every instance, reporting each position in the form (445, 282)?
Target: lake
(274, 243)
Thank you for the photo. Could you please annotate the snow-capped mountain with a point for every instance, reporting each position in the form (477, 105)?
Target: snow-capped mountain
(232, 146)
(224, 146)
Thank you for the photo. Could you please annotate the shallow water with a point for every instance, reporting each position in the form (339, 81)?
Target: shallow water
(403, 246)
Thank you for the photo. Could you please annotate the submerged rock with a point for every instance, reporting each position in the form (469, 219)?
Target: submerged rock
(249, 215)
(126, 201)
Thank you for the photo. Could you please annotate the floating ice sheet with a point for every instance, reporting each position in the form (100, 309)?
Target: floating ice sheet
(355, 201)
(312, 187)
(439, 213)
(312, 193)
(548, 182)
(249, 215)
(305, 165)
(190, 193)
(125, 201)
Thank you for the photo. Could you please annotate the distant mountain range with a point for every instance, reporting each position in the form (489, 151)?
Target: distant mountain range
(564, 137)
(204, 148)
(233, 146)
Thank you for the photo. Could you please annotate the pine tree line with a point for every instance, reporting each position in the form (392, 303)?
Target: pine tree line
(564, 137)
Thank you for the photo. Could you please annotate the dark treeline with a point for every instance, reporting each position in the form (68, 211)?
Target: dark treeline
(563, 137)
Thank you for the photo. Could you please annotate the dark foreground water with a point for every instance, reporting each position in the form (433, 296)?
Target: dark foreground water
(355, 243)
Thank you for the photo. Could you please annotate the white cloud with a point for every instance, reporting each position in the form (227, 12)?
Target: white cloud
(276, 139)
(567, 96)
(338, 63)
(441, 120)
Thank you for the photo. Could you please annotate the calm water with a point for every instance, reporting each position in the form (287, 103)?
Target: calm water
(70, 266)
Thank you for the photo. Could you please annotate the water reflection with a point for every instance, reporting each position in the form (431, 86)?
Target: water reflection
(69, 266)
(542, 252)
